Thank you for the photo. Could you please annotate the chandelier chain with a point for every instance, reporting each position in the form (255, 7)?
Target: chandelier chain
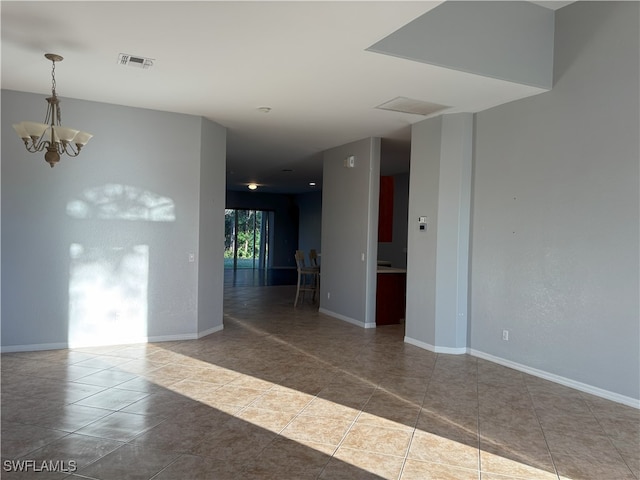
(56, 105)
(53, 78)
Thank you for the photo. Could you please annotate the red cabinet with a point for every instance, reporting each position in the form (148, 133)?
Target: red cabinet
(390, 295)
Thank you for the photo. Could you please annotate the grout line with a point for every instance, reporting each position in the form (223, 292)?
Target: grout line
(544, 434)
(415, 426)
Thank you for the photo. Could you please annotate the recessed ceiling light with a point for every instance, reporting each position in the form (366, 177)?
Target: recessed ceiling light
(264, 109)
(252, 186)
(312, 184)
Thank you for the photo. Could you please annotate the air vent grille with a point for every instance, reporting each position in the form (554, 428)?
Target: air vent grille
(135, 61)
(408, 105)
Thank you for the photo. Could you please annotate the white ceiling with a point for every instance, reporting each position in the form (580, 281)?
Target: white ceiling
(307, 61)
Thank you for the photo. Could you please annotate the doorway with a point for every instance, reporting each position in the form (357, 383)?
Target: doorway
(246, 239)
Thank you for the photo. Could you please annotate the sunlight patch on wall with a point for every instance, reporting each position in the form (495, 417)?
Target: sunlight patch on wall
(121, 202)
(108, 295)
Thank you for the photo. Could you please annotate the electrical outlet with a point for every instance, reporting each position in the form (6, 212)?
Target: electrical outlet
(505, 335)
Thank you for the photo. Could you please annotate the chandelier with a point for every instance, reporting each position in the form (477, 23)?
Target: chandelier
(51, 135)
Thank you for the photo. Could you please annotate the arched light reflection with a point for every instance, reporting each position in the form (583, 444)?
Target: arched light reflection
(121, 202)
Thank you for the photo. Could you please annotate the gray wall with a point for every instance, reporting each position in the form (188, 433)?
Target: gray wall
(350, 232)
(310, 227)
(556, 215)
(421, 256)
(97, 249)
(211, 232)
(507, 40)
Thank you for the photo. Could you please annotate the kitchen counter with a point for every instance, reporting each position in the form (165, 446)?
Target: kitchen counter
(383, 269)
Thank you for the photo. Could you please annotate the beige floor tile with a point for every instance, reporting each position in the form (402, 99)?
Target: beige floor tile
(383, 421)
(283, 400)
(81, 449)
(349, 464)
(428, 447)
(213, 374)
(226, 395)
(590, 468)
(106, 378)
(377, 439)
(630, 453)
(236, 440)
(320, 407)
(112, 399)
(195, 467)
(453, 423)
(194, 388)
(164, 403)
(317, 429)
(420, 470)
(289, 393)
(271, 420)
(515, 464)
(173, 437)
(285, 458)
(120, 426)
(249, 381)
(390, 407)
(129, 462)
(69, 418)
(18, 440)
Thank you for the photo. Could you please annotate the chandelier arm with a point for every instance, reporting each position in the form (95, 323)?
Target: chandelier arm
(35, 145)
(67, 147)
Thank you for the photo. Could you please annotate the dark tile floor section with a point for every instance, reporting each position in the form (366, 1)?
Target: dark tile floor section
(284, 393)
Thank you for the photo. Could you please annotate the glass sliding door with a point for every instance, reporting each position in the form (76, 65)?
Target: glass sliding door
(246, 239)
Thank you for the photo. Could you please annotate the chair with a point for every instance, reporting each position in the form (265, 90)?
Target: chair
(313, 258)
(307, 278)
(313, 261)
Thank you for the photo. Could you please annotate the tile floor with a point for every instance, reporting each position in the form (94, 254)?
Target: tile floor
(286, 393)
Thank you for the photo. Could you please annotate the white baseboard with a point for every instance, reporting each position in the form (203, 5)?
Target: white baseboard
(344, 318)
(436, 349)
(583, 387)
(60, 346)
(172, 338)
(209, 331)
(33, 348)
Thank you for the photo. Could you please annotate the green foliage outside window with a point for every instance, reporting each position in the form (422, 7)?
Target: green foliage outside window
(247, 235)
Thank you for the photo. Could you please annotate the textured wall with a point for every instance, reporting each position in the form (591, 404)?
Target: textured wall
(555, 226)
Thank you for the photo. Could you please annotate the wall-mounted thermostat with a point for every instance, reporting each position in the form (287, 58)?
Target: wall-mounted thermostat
(422, 224)
(350, 161)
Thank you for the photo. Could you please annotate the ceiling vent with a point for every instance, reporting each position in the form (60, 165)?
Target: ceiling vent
(409, 105)
(135, 61)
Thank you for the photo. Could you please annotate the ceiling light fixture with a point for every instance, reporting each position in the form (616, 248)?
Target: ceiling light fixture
(264, 109)
(51, 134)
(312, 184)
(252, 186)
